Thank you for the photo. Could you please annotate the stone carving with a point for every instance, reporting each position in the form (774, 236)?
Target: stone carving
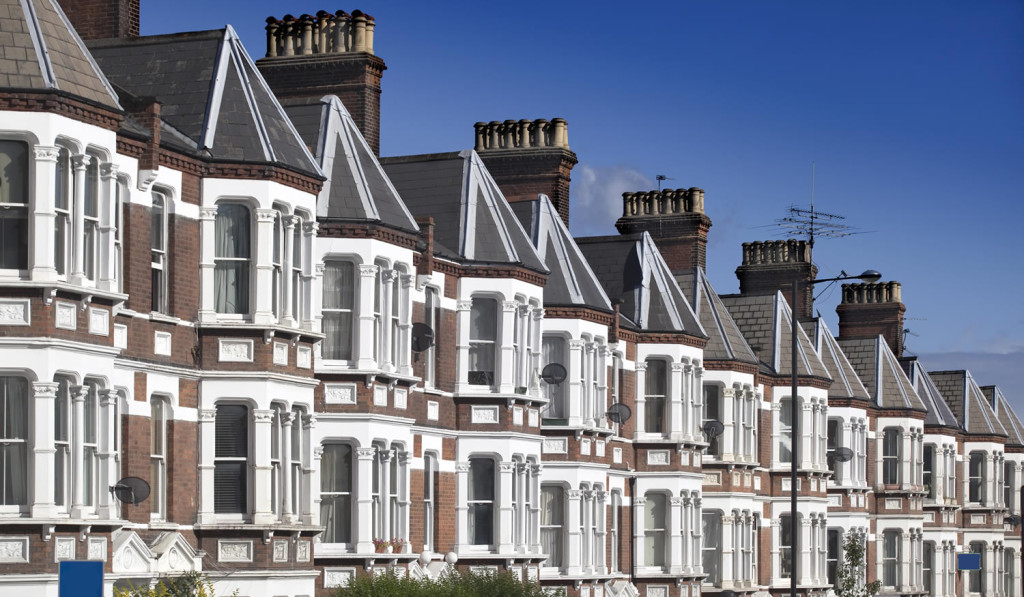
(337, 393)
(97, 548)
(585, 447)
(13, 550)
(14, 312)
(657, 591)
(234, 551)
(99, 321)
(281, 353)
(658, 457)
(162, 343)
(302, 551)
(176, 560)
(617, 455)
(433, 410)
(401, 398)
(303, 357)
(67, 317)
(280, 551)
(337, 577)
(517, 415)
(380, 395)
(484, 414)
(599, 449)
(64, 548)
(236, 351)
(120, 336)
(554, 445)
(533, 417)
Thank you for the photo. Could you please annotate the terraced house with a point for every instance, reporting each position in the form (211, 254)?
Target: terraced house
(321, 363)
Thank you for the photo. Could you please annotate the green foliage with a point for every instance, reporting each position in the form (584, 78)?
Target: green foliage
(450, 584)
(852, 573)
(191, 584)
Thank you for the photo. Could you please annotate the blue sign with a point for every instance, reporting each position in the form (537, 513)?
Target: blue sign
(81, 579)
(968, 561)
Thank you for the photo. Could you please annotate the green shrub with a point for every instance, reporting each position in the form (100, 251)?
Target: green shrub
(191, 584)
(449, 584)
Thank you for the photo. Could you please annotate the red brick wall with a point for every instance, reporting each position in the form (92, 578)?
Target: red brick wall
(100, 19)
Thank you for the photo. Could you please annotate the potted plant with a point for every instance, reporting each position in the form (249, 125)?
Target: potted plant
(381, 545)
(397, 545)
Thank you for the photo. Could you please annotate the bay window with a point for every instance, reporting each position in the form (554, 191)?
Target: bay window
(890, 558)
(480, 524)
(232, 259)
(552, 521)
(338, 303)
(976, 477)
(928, 475)
(231, 459)
(655, 396)
(483, 336)
(553, 351)
(711, 530)
(76, 443)
(713, 412)
(786, 545)
(14, 204)
(158, 252)
(786, 430)
(14, 412)
(655, 529)
(891, 457)
(336, 485)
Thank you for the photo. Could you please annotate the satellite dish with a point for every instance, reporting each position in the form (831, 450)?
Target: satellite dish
(422, 337)
(130, 490)
(618, 413)
(841, 454)
(553, 373)
(713, 429)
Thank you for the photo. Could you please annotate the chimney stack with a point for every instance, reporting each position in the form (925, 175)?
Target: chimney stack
(527, 158)
(868, 310)
(676, 221)
(327, 54)
(773, 265)
(103, 19)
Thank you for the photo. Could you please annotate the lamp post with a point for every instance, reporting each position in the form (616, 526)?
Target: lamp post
(794, 406)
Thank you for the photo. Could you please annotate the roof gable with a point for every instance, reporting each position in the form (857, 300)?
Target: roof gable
(970, 406)
(41, 51)
(939, 413)
(845, 381)
(881, 373)
(1007, 417)
(725, 341)
(211, 92)
(765, 321)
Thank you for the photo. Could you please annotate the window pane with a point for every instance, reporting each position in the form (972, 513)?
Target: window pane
(552, 517)
(712, 531)
(13, 436)
(232, 431)
(229, 487)
(481, 479)
(14, 196)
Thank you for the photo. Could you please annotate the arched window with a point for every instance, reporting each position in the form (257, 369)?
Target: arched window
(63, 202)
(655, 396)
(553, 351)
(15, 201)
(14, 429)
(481, 501)
(975, 477)
(483, 340)
(432, 318)
(655, 529)
(891, 457)
(430, 479)
(232, 259)
(338, 302)
(158, 457)
(91, 223)
(552, 521)
(158, 250)
(336, 489)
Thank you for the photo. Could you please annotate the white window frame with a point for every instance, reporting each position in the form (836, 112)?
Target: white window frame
(353, 296)
(332, 496)
(655, 537)
(482, 502)
(245, 459)
(432, 318)
(158, 254)
(245, 263)
(891, 456)
(160, 407)
(552, 527)
(483, 345)
(23, 208)
(64, 223)
(891, 558)
(11, 440)
(660, 401)
(976, 479)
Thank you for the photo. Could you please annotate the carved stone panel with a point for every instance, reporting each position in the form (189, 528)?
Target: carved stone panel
(99, 321)
(484, 414)
(162, 343)
(303, 357)
(338, 577)
(15, 312)
(64, 549)
(281, 353)
(66, 315)
(234, 551)
(433, 410)
(340, 393)
(235, 351)
(14, 550)
(281, 551)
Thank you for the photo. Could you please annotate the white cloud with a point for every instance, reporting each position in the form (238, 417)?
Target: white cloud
(597, 196)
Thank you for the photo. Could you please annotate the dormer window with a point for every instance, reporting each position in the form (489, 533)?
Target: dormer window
(232, 259)
(13, 205)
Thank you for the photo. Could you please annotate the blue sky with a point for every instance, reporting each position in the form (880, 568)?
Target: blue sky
(913, 113)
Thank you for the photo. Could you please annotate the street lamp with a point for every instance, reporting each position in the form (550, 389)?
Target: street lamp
(868, 276)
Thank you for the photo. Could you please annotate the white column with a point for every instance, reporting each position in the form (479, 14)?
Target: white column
(687, 533)
(106, 451)
(906, 459)
(641, 387)
(107, 276)
(731, 421)
(263, 313)
(805, 438)
(288, 418)
(44, 394)
(504, 499)
(674, 557)
(574, 404)
(988, 497)
(678, 417)
(262, 509)
(311, 296)
(402, 510)
(207, 253)
(288, 243)
(728, 553)
(384, 456)
(586, 538)
(364, 346)
(776, 551)
(364, 498)
(311, 475)
(81, 164)
(637, 506)
(42, 222)
(207, 451)
(506, 368)
(462, 311)
(522, 473)
(697, 397)
(534, 524)
(78, 395)
(405, 326)
(805, 547)
(600, 523)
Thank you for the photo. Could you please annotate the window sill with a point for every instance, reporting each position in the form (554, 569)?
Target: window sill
(59, 286)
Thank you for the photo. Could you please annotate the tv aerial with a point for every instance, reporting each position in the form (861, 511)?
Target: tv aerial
(713, 429)
(840, 455)
(130, 490)
(422, 338)
(661, 178)
(553, 373)
(618, 413)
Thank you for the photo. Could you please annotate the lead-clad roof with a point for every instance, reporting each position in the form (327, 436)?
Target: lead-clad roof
(472, 219)
(881, 373)
(1004, 412)
(212, 97)
(845, 381)
(766, 321)
(939, 413)
(41, 51)
(970, 406)
(725, 341)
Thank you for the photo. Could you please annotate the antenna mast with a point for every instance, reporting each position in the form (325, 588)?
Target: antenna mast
(811, 223)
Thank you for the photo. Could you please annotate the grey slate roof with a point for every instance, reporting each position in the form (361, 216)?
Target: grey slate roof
(571, 281)
(939, 413)
(472, 219)
(970, 406)
(845, 381)
(881, 373)
(725, 341)
(356, 186)
(211, 95)
(1004, 412)
(40, 51)
(631, 268)
(765, 321)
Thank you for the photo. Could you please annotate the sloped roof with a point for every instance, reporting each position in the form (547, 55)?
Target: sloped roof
(725, 341)
(1004, 412)
(571, 281)
(356, 186)
(765, 321)
(881, 373)
(968, 403)
(845, 381)
(41, 51)
(472, 219)
(939, 413)
(210, 93)
(631, 268)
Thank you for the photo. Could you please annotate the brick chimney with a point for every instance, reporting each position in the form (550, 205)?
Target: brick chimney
(676, 221)
(528, 157)
(103, 19)
(773, 265)
(868, 310)
(313, 56)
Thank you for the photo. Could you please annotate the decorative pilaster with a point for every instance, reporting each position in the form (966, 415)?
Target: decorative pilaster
(107, 274)
(504, 503)
(207, 451)
(461, 506)
(572, 518)
(43, 261)
(262, 510)
(366, 359)
(506, 332)
(364, 499)
(106, 453)
(207, 253)
(263, 313)
(44, 394)
(78, 396)
(462, 313)
(675, 559)
(80, 163)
